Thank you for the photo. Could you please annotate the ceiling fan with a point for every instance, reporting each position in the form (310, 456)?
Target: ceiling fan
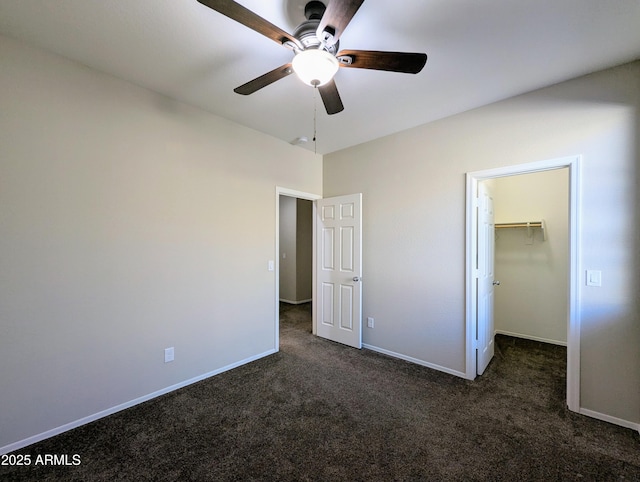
(315, 43)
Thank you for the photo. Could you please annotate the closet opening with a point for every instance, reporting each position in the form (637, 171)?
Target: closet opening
(533, 276)
(531, 262)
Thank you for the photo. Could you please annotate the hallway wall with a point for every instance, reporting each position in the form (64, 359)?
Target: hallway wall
(296, 242)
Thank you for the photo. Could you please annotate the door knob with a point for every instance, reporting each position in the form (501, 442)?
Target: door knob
(356, 279)
(496, 283)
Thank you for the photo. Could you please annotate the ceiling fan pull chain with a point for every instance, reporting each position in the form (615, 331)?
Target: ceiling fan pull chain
(315, 115)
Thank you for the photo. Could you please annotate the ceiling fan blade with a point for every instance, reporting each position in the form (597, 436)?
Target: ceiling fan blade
(336, 18)
(331, 97)
(246, 17)
(264, 80)
(405, 62)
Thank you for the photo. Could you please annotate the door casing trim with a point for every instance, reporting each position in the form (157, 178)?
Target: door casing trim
(471, 252)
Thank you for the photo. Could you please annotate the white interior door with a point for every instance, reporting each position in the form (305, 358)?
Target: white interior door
(339, 269)
(485, 279)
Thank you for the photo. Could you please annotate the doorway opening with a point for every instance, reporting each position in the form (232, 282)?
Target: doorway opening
(336, 308)
(531, 255)
(475, 322)
(295, 260)
(295, 252)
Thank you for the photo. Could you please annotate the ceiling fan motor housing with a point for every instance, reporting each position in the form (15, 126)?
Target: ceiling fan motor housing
(306, 31)
(314, 10)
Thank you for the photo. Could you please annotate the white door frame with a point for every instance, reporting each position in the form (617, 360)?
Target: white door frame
(281, 191)
(573, 322)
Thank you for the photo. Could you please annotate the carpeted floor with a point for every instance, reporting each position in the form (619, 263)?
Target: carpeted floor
(318, 410)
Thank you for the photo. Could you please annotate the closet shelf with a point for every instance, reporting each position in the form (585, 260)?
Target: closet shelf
(526, 224)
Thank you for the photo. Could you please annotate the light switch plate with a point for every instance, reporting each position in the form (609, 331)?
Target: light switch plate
(169, 354)
(594, 277)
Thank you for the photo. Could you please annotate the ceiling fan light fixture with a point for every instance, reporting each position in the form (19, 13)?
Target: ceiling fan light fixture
(315, 67)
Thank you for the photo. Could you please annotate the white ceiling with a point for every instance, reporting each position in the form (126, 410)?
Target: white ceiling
(480, 51)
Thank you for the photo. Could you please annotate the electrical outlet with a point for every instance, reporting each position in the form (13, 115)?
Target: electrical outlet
(168, 354)
(370, 322)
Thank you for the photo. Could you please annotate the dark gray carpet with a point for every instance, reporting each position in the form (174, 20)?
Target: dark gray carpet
(320, 411)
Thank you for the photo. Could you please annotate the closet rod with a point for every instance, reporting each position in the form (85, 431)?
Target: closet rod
(531, 224)
(537, 224)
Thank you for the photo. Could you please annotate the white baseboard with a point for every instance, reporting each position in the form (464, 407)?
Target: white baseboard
(530, 337)
(295, 302)
(110, 411)
(415, 360)
(610, 419)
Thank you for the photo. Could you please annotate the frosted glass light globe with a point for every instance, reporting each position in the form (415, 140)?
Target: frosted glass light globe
(315, 67)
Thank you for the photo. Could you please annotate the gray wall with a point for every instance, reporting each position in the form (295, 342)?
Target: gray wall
(129, 223)
(413, 186)
(296, 232)
(288, 247)
(304, 249)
